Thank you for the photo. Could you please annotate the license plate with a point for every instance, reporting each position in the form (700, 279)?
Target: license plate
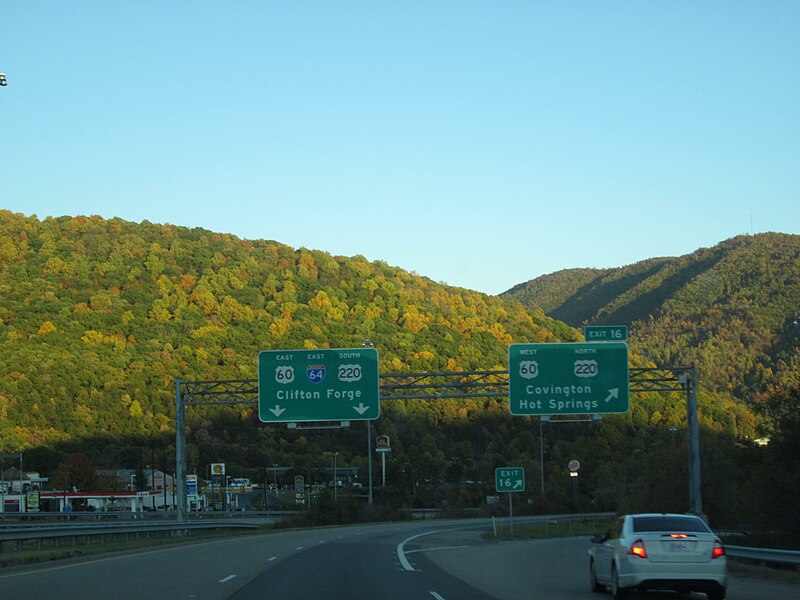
(678, 547)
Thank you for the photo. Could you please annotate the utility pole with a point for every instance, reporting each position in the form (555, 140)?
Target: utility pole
(689, 379)
(180, 454)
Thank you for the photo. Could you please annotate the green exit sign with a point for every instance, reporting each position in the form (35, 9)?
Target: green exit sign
(509, 479)
(605, 333)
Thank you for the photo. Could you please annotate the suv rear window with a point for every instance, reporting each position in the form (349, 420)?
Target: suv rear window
(641, 524)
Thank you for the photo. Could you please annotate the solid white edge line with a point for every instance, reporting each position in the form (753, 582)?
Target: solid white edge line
(401, 553)
(437, 596)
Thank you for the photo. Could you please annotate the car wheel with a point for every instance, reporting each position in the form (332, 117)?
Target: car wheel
(616, 591)
(596, 587)
(716, 594)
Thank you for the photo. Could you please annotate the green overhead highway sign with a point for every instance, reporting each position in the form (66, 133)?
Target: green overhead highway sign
(605, 333)
(318, 385)
(509, 479)
(568, 379)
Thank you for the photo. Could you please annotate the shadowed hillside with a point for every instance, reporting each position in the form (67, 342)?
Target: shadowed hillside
(731, 309)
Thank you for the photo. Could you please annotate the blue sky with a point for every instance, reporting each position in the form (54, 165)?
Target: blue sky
(478, 143)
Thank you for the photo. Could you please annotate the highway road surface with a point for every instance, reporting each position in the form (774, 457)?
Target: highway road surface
(429, 560)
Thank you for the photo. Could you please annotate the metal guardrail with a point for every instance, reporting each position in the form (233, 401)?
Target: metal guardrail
(72, 532)
(38, 519)
(765, 555)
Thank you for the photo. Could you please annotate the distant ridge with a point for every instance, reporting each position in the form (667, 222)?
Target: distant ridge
(729, 308)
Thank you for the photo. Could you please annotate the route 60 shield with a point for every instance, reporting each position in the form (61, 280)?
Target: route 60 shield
(315, 373)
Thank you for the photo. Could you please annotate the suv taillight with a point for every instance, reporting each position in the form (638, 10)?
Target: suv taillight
(637, 549)
(719, 549)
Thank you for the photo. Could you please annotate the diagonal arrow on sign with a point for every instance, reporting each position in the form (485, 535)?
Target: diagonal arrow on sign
(612, 393)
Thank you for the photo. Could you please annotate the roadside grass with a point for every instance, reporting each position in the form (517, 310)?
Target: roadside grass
(741, 567)
(548, 529)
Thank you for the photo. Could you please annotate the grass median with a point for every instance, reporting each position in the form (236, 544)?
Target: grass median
(546, 529)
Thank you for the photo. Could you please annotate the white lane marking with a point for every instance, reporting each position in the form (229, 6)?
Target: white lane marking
(401, 553)
(299, 548)
(271, 558)
(437, 596)
(227, 579)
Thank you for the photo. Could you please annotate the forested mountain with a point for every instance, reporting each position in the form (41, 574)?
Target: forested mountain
(733, 309)
(99, 317)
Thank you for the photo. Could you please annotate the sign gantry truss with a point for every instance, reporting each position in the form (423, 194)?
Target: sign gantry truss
(397, 386)
(231, 391)
(444, 384)
(660, 379)
(428, 386)
(437, 386)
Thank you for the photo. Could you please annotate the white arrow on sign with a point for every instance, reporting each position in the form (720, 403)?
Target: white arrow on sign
(517, 484)
(361, 409)
(277, 411)
(612, 393)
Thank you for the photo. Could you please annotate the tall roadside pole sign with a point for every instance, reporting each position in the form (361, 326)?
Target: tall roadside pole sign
(382, 445)
(568, 379)
(605, 333)
(318, 385)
